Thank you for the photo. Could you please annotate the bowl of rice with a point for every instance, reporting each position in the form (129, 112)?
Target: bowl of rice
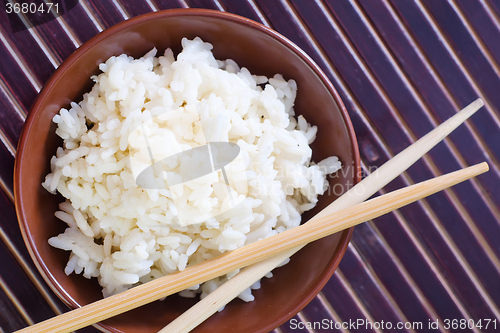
(169, 139)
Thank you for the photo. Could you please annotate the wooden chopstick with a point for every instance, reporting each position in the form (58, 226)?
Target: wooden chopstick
(359, 193)
(291, 239)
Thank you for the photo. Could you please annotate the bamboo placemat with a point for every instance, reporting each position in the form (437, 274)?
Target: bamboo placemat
(401, 68)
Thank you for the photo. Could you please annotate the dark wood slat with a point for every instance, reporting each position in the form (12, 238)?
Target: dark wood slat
(168, 4)
(15, 81)
(448, 70)
(26, 293)
(399, 94)
(60, 47)
(345, 306)
(10, 122)
(448, 262)
(106, 11)
(80, 23)
(367, 290)
(369, 247)
(57, 42)
(485, 73)
(10, 319)
(483, 24)
(207, 4)
(10, 227)
(135, 8)
(495, 5)
(6, 168)
(317, 314)
(27, 49)
(243, 8)
(415, 264)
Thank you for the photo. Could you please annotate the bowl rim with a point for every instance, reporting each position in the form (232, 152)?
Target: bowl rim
(81, 51)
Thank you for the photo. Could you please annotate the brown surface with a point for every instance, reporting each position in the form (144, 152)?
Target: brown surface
(251, 45)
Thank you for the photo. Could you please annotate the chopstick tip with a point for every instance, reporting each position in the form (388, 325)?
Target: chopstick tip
(480, 168)
(479, 102)
(470, 109)
(486, 166)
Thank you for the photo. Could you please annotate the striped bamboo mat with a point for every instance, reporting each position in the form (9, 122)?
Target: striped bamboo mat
(401, 67)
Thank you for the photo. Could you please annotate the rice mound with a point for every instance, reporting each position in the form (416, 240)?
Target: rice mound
(126, 235)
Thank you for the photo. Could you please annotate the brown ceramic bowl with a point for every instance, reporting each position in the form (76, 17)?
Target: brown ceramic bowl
(262, 51)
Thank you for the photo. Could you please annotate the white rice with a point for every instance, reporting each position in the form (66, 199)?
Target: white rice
(124, 234)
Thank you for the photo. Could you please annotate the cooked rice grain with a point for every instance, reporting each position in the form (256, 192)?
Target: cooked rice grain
(126, 235)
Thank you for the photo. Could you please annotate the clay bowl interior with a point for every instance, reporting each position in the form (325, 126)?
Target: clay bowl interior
(251, 45)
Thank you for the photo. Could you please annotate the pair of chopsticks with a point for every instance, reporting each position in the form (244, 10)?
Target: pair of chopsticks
(359, 193)
(262, 256)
